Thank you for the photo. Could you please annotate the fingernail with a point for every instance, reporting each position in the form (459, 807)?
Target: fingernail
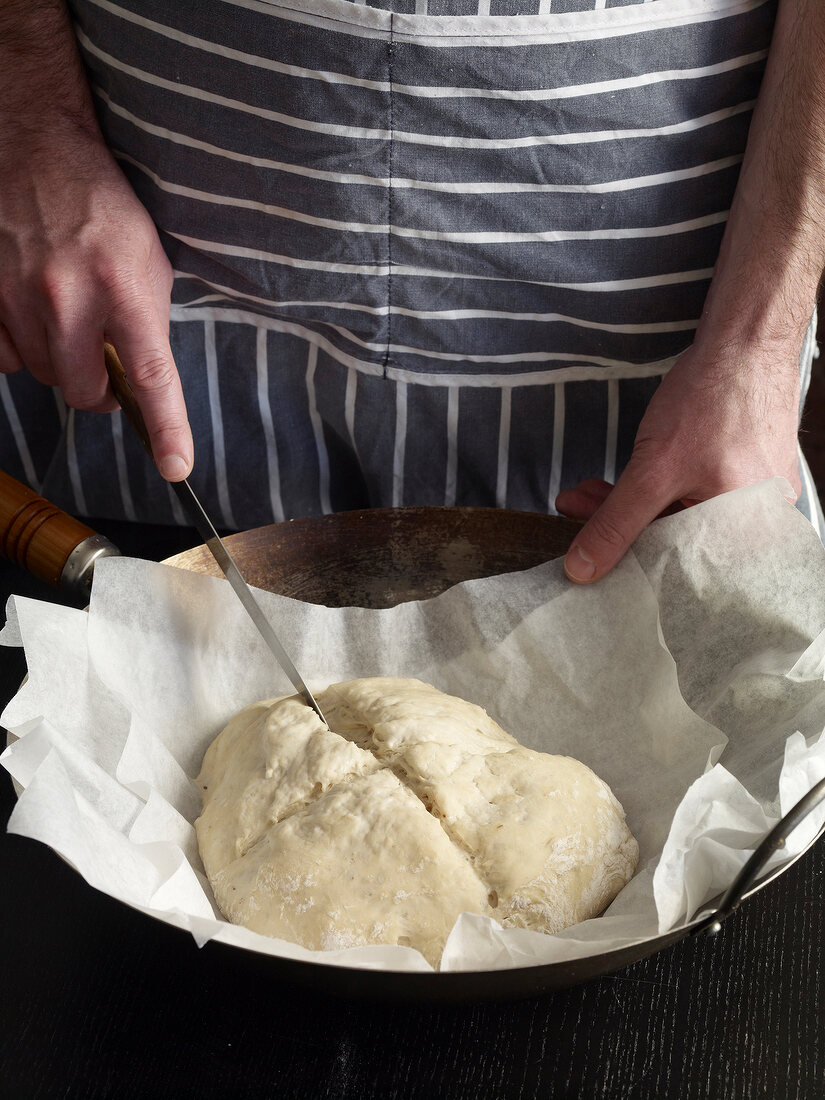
(173, 467)
(579, 566)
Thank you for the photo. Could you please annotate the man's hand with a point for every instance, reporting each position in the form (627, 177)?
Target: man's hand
(80, 260)
(720, 420)
(726, 414)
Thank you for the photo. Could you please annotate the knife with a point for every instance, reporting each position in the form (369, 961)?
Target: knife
(198, 518)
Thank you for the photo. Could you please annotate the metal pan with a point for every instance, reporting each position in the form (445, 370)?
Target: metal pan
(379, 558)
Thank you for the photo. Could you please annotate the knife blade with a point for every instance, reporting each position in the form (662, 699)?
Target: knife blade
(200, 520)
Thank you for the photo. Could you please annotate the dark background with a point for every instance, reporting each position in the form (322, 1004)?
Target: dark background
(100, 1001)
(813, 420)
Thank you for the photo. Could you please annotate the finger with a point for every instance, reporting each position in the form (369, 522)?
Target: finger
(28, 336)
(635, 501)
(143, 347)
(10, 361)
(77, 357)
(583, 500)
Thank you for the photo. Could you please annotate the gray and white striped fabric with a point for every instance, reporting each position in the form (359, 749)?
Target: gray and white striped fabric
(426, 251)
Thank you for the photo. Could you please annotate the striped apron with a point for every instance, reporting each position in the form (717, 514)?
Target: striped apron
(425, 251)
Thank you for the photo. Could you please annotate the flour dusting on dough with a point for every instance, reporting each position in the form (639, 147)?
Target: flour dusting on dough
(413, 807)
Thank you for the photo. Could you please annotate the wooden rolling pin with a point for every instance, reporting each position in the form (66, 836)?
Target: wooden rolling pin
(46, 541)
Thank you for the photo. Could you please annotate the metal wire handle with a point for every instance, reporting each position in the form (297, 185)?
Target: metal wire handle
(773, 842)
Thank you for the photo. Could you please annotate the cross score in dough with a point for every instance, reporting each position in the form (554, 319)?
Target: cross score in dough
(413, 807)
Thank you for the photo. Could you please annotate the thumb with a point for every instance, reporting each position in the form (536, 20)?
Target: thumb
(608, 534)
(144, 350)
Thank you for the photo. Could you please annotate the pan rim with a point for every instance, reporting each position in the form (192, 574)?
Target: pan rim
(606, 961)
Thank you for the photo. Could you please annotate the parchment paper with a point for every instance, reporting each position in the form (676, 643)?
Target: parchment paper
(706, 642)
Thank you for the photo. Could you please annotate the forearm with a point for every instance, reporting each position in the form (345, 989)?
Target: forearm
(726, 414)
(773, 251)
(80, 260)
(43, 86)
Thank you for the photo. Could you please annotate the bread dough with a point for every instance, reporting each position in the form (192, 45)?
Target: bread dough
(413, 807)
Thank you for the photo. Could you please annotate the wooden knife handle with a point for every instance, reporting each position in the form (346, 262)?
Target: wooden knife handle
(126, 398)
(44, 540)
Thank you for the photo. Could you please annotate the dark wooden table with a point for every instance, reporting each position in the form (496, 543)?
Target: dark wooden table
(100, 1001)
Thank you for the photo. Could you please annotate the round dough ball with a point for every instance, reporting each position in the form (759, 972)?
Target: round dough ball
(413, 807)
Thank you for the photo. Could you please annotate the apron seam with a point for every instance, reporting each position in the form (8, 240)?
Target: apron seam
(374, 21)
(390, 192)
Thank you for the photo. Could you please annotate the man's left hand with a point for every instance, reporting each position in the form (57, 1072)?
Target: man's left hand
(722, 418)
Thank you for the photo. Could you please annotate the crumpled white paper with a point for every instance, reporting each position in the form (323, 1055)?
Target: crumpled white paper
(705, 642)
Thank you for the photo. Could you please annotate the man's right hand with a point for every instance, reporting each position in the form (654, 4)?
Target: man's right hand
(81, 263)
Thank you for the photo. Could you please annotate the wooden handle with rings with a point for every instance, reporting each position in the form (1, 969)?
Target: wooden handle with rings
(46, 541)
